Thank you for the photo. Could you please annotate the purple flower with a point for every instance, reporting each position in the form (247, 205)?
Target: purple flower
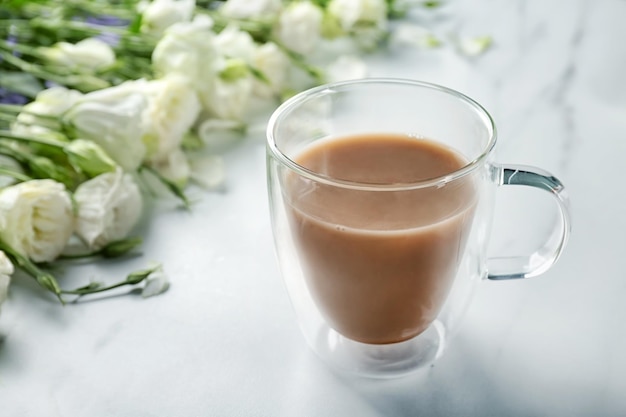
(106, 21)
(10, 97)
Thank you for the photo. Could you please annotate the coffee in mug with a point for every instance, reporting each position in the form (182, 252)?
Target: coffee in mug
(382, 194)
(380, 264)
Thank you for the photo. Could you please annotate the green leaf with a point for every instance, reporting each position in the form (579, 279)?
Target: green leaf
(135, 25)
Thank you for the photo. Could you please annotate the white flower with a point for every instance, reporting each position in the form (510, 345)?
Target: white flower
(89, 54)
(158, 15)
(108, 207)
(137, 120)
(52, 102)
(6, 270)
(274, 64)
(156, 283)
(217, 68)
(36, 218)
(233, 42)
(351, 13)
(173, 166)
(228, 98)
(299, 26)
(188, 50)
(245, 9)
(173, 107)
(112, 118)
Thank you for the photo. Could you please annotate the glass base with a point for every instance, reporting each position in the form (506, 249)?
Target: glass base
(381, 361)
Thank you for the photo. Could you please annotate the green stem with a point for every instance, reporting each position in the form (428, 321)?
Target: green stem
(93, 289)
(171, 186)
(44, 279)
(76, 25)
(111, 250)
(314, 72)
(14, 174)
(5, 134)
(22, 49)
(82, 82)
(11, 108)
(133, 278)
(7, 118)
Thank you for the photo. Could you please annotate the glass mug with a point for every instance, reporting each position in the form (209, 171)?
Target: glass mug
(380, 264)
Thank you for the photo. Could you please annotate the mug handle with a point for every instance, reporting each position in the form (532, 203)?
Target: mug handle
(538, 262)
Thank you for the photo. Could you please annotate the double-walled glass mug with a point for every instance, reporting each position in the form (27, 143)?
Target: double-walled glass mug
(382, 195)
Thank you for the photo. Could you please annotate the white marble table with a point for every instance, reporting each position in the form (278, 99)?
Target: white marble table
(224, 342)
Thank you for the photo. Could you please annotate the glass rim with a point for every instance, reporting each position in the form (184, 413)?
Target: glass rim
(304, 96)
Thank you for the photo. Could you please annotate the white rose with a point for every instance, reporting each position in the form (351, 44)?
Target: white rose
(36, 218)
(299, 26)
(228, 98)
(52, 102)
(158, 15)
(245, 9)
(108, 207)
(188, 50)
(89, 54)
(235, 43)
(6, 270)
(361, 12)
(173, 166)
(112, 118)
(173, 107)
(274, 64)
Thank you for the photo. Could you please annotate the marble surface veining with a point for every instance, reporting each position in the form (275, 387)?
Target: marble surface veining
(224, 342)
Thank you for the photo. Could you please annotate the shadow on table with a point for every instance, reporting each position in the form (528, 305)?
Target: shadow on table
(458, 385)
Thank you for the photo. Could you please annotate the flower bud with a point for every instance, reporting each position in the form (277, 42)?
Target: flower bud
(48, 282)
(138, 276)
(120, 247)
(88, 157)
(158, 15)
(234, 69)
(89, 54)
(156, 283)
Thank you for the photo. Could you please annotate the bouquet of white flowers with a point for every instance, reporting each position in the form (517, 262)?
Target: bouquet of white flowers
(98, 96)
